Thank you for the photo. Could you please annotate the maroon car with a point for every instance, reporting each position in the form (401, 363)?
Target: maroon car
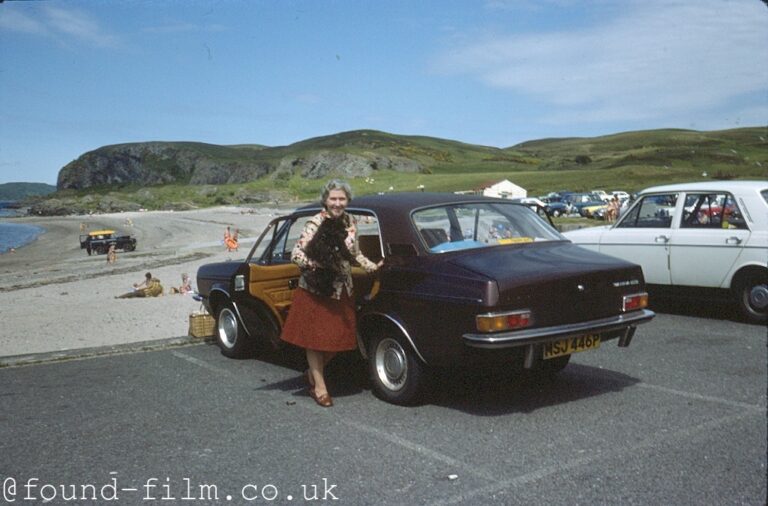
(466, 281)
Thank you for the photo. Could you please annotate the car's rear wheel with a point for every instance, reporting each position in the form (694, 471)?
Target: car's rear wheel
(129, 247)
(396, 373)
(752, 297)
(230, 335)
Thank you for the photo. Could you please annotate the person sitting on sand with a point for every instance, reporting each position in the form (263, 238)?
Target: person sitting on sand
(186, 285)
(150, 287)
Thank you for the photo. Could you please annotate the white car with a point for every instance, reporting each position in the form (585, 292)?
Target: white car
(621, 195)
(702, 235)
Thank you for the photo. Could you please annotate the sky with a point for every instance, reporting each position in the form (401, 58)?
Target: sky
(76, 75)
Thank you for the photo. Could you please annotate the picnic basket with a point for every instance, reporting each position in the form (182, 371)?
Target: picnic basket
(201, 324)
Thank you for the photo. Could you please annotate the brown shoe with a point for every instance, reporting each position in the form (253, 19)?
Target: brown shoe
(323, 400)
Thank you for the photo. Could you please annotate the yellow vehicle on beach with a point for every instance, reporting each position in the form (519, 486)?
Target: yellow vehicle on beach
(99, 241)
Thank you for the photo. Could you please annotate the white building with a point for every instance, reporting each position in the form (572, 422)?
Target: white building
(504, 189)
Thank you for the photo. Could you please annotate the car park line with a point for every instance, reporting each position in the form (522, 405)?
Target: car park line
(386, 436)
(624, 452)
(498, 483)
(681, 393)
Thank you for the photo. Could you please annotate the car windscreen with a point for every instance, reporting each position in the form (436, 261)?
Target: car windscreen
(480, 225)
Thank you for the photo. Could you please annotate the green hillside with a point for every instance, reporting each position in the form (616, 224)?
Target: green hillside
(627, 161)
(20, 191)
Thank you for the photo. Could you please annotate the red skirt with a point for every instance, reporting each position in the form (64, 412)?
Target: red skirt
(320, 323)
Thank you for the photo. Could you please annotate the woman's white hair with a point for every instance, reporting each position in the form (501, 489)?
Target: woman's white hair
(335, 184)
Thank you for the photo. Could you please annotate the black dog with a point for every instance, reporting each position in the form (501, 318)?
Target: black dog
(328, 251)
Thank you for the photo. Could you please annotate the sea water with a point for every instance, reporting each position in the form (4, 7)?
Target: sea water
(15, 235)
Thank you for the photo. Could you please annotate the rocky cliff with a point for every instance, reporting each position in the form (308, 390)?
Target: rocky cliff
(152, 163)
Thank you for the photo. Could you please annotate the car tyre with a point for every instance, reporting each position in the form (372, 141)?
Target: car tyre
(130, 247)
(230, 334)
(556, 213)
(397, 375)
(752, 297)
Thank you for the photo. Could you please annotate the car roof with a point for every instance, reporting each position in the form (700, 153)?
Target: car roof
(413, 200)
(710, 186)
(394, 209)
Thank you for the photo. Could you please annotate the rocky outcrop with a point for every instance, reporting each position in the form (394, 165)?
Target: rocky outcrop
(324, 164)
(154, 163)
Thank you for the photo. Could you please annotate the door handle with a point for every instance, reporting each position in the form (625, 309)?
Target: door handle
(733, 240)
(661, 238)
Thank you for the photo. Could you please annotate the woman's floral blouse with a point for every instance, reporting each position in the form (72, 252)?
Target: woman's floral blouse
(299, 257)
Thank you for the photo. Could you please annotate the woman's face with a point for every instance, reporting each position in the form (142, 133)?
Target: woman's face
(336, 203)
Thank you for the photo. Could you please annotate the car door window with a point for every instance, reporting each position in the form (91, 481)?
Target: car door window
(712, 210)
(277, 244)
(653, 211)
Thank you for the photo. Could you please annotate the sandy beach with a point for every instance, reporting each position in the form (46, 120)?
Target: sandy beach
(55, 298)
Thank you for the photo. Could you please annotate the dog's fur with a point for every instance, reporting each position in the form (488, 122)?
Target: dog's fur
(328, 250)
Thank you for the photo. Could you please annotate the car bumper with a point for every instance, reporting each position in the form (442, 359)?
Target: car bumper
(621, 326)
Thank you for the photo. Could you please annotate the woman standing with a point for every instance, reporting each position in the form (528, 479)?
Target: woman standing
(322, 315)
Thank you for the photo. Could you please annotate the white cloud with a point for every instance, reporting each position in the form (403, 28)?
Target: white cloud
(58, 23)
(16, 21)
(656, 59)
(78, 25)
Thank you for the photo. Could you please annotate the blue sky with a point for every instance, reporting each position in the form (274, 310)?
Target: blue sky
(76, 75)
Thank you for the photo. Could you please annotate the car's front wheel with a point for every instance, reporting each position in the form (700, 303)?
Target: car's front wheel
(752, 297)
(396, 373)
(230, 335)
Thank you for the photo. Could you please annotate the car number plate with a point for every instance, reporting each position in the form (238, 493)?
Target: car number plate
(570, 345)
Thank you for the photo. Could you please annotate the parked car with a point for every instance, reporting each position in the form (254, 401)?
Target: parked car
(621, 195)
(601, 194)
(578, 201)
(591, 210)
(467, 281)
(695, 236)
(99, 241)
(555, 206)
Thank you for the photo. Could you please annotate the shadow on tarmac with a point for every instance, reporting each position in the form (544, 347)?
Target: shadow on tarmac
(479, 392)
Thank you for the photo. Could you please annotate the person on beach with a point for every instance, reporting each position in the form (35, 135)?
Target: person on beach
(230, 239)
(111, 254)
(150, 287)
(185, 287)
(322, 315)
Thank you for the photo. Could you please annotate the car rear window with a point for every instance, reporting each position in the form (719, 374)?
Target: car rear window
(480, 225)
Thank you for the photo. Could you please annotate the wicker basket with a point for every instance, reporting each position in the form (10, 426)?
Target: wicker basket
(201, 324)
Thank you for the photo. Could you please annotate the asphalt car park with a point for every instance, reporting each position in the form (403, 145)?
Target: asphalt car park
(678, 418)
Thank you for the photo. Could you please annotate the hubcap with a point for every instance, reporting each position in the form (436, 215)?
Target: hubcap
(227, 327)
(391, 364)
(758, 297)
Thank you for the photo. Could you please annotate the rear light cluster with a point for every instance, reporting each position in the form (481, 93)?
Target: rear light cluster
(496, 322)
(634, 302)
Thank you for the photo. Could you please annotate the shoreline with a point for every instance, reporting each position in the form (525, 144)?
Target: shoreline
(54, 297)
(24, 234)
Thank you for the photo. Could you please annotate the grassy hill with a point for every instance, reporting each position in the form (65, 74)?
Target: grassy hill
(627, 161)
(20, 191)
